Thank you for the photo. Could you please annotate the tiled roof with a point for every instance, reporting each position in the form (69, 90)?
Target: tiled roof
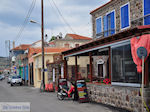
(22, 47)
(100, 7)
(75, 36)
(46, 50)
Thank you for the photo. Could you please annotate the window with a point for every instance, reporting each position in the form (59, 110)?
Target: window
(67, 45)
(98, 25)
(125, 16)
(39, 74)
(76, 45)
(123, 68)
(109, 24)
(146, 12)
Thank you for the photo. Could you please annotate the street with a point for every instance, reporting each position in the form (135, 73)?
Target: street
(45, 102)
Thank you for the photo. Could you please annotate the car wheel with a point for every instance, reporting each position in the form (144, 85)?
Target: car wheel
(20, 84)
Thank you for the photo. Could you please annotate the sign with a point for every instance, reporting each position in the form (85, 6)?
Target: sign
(100, 61)
(53, 74)
(141, 51)
(82, 91)
(45, 70)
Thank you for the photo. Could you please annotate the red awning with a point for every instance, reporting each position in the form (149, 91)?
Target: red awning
(142, 41)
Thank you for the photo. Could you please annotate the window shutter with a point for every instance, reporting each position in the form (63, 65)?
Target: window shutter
(146, 12)
(112, 23)
(105, 26)
(125, 16)
(98, 25)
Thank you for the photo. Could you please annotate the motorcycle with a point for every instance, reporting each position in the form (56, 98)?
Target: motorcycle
(65, 92)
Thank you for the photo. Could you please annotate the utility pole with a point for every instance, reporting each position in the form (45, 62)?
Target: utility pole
(42, 30)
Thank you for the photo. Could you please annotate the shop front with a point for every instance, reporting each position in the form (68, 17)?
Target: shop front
(113, 75)
(55, 70)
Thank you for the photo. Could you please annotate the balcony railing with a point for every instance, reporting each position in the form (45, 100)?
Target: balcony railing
(135, 22)
(105, 33)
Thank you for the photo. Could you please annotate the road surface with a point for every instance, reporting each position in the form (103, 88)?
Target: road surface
(45, 102)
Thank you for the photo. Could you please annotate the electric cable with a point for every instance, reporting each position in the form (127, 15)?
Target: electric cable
(26, 20)
(57, 15)
(63, 17)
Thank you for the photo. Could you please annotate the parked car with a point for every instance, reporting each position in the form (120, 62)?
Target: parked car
(16, 80)
(9, 79)
(2, 77)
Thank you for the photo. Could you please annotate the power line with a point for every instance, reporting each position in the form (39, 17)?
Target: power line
(26, 20)
(63, 17)
(57, 15)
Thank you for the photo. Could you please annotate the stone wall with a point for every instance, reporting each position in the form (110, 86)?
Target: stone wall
(136, 12)
(122, 97)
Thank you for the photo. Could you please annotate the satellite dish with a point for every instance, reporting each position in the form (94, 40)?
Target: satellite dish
(60, 35)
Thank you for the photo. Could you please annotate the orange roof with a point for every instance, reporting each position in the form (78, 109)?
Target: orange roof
(47, 50)
(22, 47)
(75, 36)
(100, 7)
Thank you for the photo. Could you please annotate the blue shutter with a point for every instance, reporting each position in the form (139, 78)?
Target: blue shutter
(105, 26)
(125, 16)
(98, 25)
(26, 72)
(112, 15)
(146, 12)
(23, 73)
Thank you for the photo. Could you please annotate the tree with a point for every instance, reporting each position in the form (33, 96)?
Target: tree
(52, 38)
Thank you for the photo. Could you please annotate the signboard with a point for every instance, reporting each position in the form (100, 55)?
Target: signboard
(100, 61)
(141, 51)
(53, 74)
(82, 91)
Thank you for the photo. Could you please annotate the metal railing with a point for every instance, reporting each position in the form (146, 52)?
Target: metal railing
(134, 22)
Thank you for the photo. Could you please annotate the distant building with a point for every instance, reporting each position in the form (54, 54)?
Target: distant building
(17, 54)
(36, 75)
(69, 41)
(4, 63)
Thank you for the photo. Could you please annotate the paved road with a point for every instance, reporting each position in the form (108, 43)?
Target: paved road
(45, 102)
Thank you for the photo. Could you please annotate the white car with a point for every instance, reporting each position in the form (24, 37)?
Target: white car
(2, 77)
(16, 80)
(9, 79)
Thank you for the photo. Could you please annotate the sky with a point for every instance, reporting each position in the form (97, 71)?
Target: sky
(13, 13)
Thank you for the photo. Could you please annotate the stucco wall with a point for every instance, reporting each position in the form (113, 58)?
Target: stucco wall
(37, 65)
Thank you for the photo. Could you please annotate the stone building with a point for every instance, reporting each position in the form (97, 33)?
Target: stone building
(118, 15)
(113, 75)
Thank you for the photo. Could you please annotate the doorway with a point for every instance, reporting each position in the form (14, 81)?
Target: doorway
(100, 70)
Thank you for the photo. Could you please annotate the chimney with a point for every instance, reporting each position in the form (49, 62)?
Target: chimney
(13, 44)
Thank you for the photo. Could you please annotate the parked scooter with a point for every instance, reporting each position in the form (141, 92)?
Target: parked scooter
(65, 92)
